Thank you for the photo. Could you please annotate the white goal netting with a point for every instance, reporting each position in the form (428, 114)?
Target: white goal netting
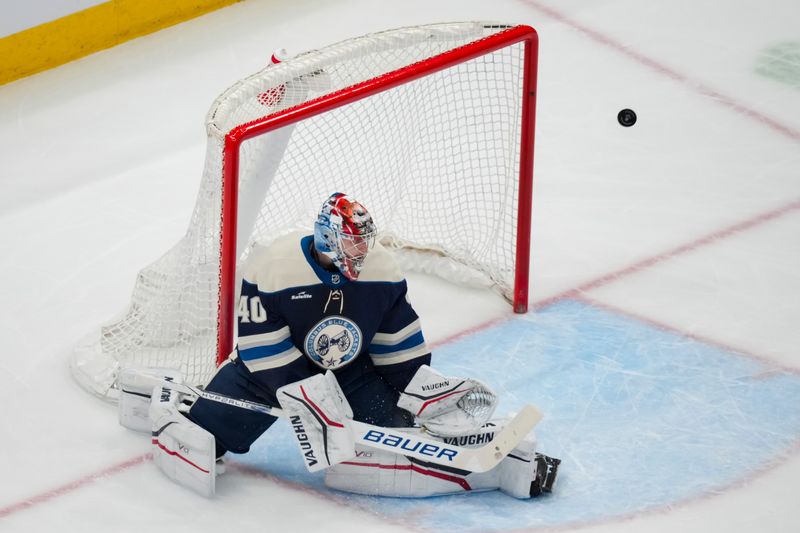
(436, 159)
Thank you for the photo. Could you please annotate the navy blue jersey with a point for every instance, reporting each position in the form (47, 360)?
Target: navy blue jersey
(296, 319)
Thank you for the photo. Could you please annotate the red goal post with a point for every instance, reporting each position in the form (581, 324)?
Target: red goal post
(432, 127)
(356, 92)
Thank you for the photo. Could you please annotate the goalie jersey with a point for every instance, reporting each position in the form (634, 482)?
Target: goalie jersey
(296, 319)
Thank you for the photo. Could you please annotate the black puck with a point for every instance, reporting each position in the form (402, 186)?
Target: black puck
(626, 117)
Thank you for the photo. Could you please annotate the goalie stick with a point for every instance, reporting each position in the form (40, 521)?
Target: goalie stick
(480, 459)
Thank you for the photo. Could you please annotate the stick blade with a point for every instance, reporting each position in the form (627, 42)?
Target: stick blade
(508, 438)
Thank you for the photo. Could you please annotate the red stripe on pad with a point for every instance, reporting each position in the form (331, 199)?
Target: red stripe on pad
(440, 475)
(426, 404)
(179, 456)
(318, 410)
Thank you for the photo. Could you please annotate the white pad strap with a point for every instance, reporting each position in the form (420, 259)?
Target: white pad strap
(184, 451)
(319, 415)
(448, 406)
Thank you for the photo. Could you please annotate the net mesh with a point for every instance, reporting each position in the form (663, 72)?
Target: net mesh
(435, 160)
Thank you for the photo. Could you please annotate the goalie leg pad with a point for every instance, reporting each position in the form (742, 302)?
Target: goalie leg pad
(379, 473)
(184, 451)
(319, 413)
(383, 473)
(517, 471)
(135, 389)
(525, 473)
(522, 474)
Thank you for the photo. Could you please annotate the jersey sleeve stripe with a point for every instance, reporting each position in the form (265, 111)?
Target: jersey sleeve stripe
(394, 338)
(400, 357)
(382, 349)
(276, 361)
(269, 350)
(271, 337)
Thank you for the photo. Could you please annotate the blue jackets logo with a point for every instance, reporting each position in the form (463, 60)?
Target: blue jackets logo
(333, 342)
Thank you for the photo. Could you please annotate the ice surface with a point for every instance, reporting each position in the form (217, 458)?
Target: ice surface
(662, 345)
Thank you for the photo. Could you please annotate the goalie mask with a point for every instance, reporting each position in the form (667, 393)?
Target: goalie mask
(345, 233)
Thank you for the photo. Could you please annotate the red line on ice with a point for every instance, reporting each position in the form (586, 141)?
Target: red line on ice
(644, 264)
(73, 486)
(774, 367)
(663, 69)
(670, 507)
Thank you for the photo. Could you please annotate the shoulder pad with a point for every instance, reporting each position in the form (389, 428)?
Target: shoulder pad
(278, 266)
(380, 266)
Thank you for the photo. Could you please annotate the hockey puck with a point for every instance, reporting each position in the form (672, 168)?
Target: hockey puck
(626, 117)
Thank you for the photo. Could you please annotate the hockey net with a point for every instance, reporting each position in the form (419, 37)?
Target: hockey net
(431, 127)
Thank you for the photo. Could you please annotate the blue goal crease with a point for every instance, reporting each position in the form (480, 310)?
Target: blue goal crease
(641, 418)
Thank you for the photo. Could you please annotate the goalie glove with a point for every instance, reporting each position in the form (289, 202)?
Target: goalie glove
(449, 407)
(319, 415)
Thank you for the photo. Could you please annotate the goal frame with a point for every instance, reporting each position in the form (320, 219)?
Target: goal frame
(226, 316)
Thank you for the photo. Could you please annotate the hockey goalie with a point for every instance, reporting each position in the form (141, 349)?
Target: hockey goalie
(328, 340)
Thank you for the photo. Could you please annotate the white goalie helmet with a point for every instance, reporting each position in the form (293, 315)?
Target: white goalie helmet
(345, 233)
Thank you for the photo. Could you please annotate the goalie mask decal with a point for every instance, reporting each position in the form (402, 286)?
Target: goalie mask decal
(345, 233)
(333, 342)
